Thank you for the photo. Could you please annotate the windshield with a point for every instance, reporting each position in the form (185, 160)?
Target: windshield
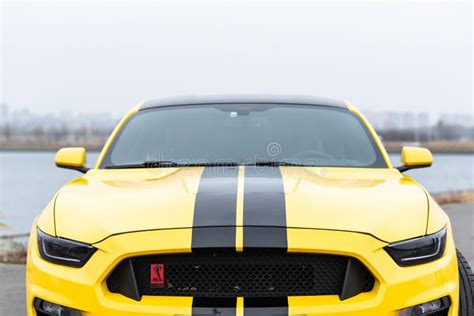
(244, 134)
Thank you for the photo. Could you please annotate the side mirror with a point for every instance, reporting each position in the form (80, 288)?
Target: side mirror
(72, 158)
(415, 157)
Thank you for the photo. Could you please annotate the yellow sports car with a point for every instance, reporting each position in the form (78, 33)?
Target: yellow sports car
(245, 205)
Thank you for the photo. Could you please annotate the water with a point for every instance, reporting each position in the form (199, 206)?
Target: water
(28, 181)
(449, 172)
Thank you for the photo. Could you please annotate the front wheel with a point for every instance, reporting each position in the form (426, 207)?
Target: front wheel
(466, 287)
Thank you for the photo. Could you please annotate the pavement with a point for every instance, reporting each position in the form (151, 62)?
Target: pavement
(12, 291)
(462, 220)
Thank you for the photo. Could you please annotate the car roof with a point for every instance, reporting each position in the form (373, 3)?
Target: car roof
(242, 98)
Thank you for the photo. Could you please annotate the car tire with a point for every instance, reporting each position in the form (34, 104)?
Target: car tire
(466, 287)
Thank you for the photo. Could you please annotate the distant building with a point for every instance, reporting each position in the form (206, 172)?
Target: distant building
(400, 120)
(458, 119)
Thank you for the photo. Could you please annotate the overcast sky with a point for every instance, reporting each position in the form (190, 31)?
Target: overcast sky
(96, 57)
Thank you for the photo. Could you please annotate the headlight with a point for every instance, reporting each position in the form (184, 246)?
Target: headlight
(63, 251)
(419, 250)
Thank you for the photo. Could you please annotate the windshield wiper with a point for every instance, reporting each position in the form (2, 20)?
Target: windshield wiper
(273, 163)
(146, 164)
(172, 164)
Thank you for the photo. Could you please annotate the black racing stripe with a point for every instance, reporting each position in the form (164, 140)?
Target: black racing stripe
(264, 206)
(272, 306)
(215, 209)
(214, 306)
(261, 237)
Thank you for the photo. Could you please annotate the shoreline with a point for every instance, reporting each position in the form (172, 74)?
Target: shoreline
(438, 147)
(454, 197)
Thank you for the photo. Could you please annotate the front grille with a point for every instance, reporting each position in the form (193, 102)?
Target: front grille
(248, 274)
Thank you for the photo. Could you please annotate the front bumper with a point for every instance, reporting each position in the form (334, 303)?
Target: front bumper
(396, 287)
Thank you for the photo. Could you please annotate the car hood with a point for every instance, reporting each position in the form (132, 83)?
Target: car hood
(379, 202)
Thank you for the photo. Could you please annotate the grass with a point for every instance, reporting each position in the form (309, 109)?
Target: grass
(454, 197)
(12, 251)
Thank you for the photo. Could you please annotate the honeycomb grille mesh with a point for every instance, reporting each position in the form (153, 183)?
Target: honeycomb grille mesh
(248, 274)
